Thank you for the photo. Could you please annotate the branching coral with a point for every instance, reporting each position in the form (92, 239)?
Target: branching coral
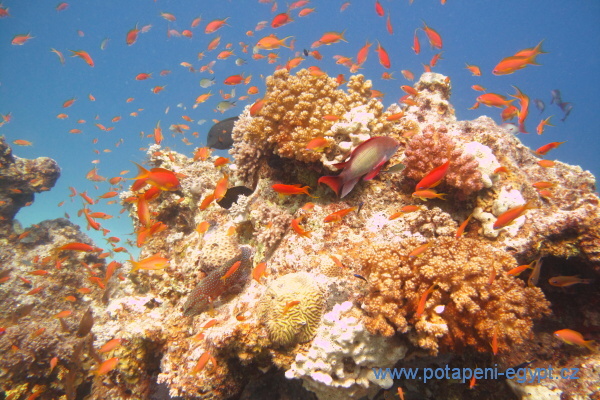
(470, 280)
(434, 147)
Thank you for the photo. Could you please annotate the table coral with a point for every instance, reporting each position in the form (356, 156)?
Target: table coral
(471, 282)
(289, 325)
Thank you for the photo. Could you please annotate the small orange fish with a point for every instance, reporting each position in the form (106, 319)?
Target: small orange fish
(419, 250)
(546, 163)
(474, 70)
(573, 337)
(461, 229)
(202, 361)
(107, 366)
(84, 55)
(384, 58)
(428, 194)
(160, 177)
(202, 227)
(287, 190)
(213, 26)
(547, 147)
(219, 162)
(62, 314)
(435, 40)
(543, 123)
(132, 35)
(259, 271)
(517, 270)
(221, 188)
(20, 40)
(21, 142)
(329, 38)
(423, 300)
(404, 210)
(495, 341)
(298, 229)
(317, 144)
(272, 42)
(564, 281)
(289, 305)
(231, 270)
(338, 215)
(153, 263)
(110, 345)
(509, 216)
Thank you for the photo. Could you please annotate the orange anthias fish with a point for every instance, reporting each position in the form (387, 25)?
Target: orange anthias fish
(231, 270)
(474, 69)
(434, 177)
(338, 215)
(329, 38)
(428, 194)
(518, 61)
(288, 190)
(221, 188)
(547, 147)
(423, 300)
(435, 40)
(151, 263)
(384, 58)
(494, 100)
(509, 216)
(272, 42)
(213, 26)
(160, 177)
(524, 108)
(298, 229)
(573, 337)
(132, 35)
(83, 55)
(543, 123)
(20, 40)
(564, 281)
(107, 366)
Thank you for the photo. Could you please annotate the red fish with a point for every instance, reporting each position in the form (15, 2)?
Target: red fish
(132, 35)
(435, 40)
(363, 53)
(416, 44)
(508, 217)
(384, 58)
(523, 108)
(280, 20)
(366, 161)
(570, 336)
(434, 177)
(547, 147)
(423, 300)
(379, 9)
(298, 229)
(288, 190)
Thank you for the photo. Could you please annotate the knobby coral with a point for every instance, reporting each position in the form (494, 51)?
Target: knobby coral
(432, 148)
(465, 276)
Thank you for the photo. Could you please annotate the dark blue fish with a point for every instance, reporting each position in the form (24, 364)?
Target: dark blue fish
(556, 98)
(540, 105)
(566, 108)
(232, 195)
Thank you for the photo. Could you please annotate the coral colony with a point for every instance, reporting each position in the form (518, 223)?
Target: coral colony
(430, 241)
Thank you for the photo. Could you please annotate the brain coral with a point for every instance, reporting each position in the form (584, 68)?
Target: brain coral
(431, 149)
(462, 270)
(298, 323)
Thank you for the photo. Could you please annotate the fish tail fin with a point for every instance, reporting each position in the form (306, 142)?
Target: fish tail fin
(442, 196)
(590, 344)
(142, 172)
(334, 182)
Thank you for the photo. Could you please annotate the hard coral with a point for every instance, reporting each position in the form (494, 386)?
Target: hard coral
(288, 325)
(462, 269)
(293, 115)
(434, 147)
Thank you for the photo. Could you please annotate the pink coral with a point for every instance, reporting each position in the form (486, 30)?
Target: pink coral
(431, 149)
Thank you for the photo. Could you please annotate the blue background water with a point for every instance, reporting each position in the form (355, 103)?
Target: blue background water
(34, 84)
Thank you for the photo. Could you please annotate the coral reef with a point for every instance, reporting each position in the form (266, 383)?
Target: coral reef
(322, 309)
